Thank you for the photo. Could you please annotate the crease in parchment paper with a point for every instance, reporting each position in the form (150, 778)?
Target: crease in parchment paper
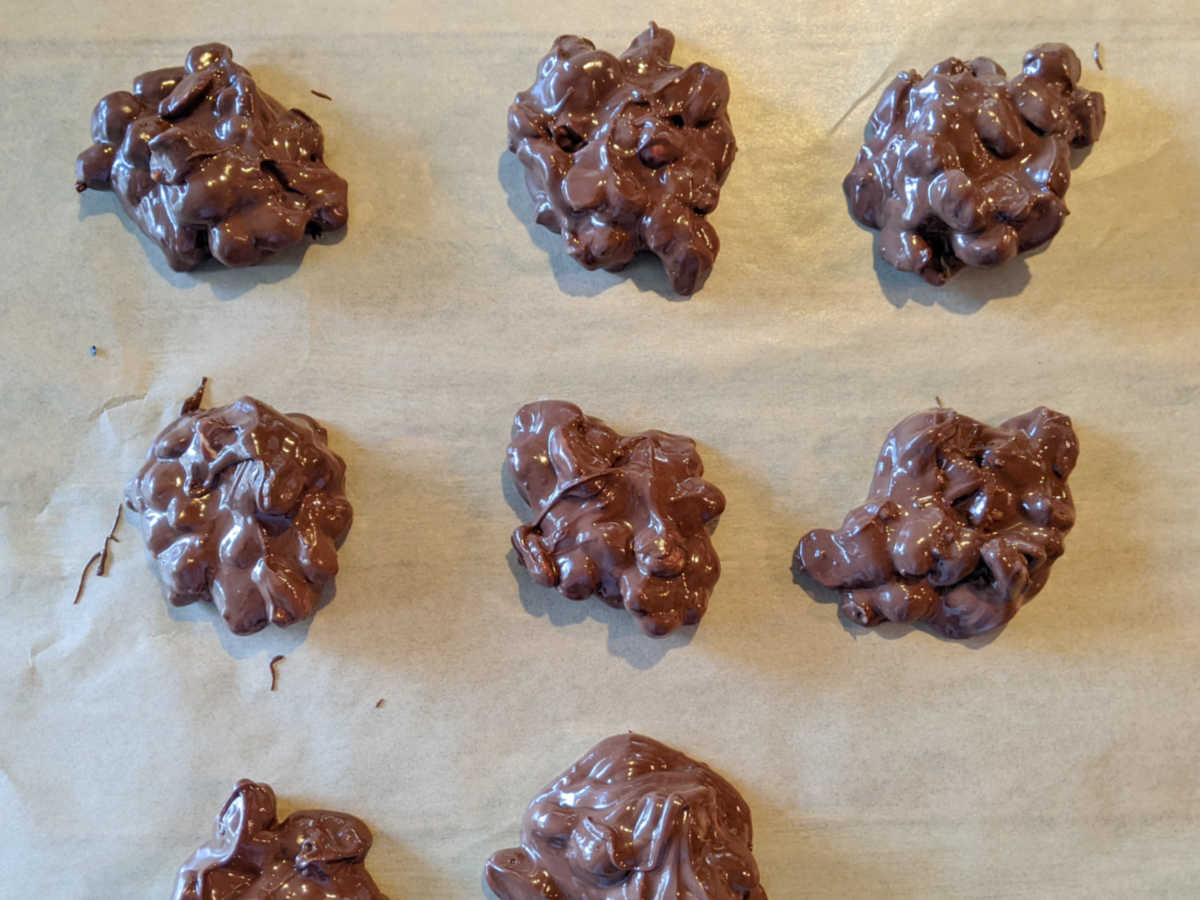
(871, 94)
(37, 650)
(115, 403)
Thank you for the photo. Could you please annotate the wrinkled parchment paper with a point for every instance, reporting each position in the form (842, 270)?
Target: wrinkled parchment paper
(1055, 759)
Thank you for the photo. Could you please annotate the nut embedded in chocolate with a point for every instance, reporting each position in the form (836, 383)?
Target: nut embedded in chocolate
(252, 856)
(623, 517)
(243, 506)
(629, 154)
(960, 527)
(963, 168)
(208, 165)
(632, 819)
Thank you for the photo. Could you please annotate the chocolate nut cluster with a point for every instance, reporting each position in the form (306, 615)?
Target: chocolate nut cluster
(632, 819)
(960, 527)
(963, 168)
(622, 517)
(243, 506)
(626, 154)
(208, 165)
(252, 856)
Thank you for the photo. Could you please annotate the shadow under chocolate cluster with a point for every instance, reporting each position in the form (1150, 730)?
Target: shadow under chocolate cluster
(208, 165)
(632, 819)
(622, 517)
(251, 856)
(960, 527)
(629, 154)
(961, 167)
(243, 506)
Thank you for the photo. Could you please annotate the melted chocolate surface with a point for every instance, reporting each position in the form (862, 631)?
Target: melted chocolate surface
(632, 819)
(961, 525)
(626, 518)
(963, 168)
(625, 154)
(208, 165)
(243, 506)
(252, 856)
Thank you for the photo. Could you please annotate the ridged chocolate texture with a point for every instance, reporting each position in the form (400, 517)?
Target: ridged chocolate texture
(243, 506)
(626, 154)
(208, 165)
(963, 168)
(622, 517)
(960, 527)
(633, 819)
(310, 854)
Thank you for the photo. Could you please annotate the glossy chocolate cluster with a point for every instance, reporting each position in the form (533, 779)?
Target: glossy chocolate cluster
(960, 527)
(962, 167)
(208, 165)
(622, 517)
(243, 506)
(252, 856)
(626, 154)
(632, 819)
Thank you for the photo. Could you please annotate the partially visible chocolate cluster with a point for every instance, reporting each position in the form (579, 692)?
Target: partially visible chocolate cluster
(252, 856)
(208, 165)
(961, 167)
(960, 527)
(629, 154)
(623, 517)
(243, 506)
(633, 819)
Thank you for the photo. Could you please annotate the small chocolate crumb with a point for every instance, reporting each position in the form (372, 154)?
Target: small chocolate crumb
(83, 576)
(322, 96)
(112, 536)
(192, 403)
(379, 705)
(1096, 56)
(80, 187)
(92, 350)
(275, 675)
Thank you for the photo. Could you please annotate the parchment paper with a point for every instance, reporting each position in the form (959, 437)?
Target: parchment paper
(1055, 759)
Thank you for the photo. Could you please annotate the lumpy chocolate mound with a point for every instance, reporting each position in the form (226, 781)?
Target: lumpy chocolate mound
(626, 154)
(208, 165)
(252, 856)
(962, 168)
(632, 819)
(960, 527)
(244, 507)
(622, 517)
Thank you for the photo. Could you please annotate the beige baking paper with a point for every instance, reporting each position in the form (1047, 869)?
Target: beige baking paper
(1055, 759)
